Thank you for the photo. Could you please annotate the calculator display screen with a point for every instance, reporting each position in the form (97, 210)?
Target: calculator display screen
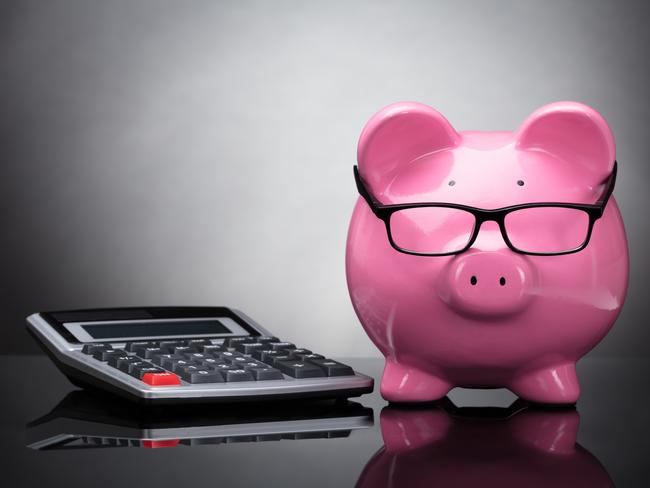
(155, 328)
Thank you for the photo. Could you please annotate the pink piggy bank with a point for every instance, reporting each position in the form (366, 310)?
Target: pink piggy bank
(486, 259)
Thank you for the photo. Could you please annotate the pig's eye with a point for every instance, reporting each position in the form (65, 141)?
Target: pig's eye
(452, 182)
(520, 182)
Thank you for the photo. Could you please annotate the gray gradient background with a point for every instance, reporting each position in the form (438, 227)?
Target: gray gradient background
(199, 152)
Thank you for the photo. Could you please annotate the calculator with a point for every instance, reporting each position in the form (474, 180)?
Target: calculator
(85, 420)
(187, 354)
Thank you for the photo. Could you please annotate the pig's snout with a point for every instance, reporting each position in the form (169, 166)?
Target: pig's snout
(487, 283)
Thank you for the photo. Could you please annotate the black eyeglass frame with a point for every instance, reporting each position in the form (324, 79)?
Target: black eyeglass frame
(498, 215)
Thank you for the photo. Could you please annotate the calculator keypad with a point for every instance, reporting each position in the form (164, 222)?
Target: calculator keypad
(201, 361)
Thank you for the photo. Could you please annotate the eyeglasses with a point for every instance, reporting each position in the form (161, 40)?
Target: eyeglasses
(444, 229)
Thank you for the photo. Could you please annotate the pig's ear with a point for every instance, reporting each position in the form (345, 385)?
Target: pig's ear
(572, 132)
(398, 134)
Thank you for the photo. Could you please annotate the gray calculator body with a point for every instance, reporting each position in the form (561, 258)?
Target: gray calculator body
(63, 335)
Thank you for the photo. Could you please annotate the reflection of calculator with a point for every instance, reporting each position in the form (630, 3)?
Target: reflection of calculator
(87, 420)
(187, 354)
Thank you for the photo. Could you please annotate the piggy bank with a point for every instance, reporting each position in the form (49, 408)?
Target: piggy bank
(486, 259)
(487, 447)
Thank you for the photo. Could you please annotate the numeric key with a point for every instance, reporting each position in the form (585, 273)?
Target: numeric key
(127, 365)
(266, 339)
(298, 369)
(170, 345)
(232, 375)
(211, 348)
(332, 368)
(279, 346)
(131, 346)
(265, 373)
(151, 352)
(116, 361)
(202, 376)
(166, 360)
(106, 354)
(90, 349)
(210, 362)
(138, 370)
(233, 341)
(249, 347)
(178, 365)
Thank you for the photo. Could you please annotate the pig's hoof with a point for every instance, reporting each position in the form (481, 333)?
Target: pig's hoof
(404, 384)
(554, 385)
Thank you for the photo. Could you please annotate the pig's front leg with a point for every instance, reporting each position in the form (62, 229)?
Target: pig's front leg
(555, 384)
(404, 384)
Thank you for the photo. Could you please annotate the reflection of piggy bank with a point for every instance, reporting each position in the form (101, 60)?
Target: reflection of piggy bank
(491, 285)
(482, 447)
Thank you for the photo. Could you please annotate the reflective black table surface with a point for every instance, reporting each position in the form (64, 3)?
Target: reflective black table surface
(57, 435)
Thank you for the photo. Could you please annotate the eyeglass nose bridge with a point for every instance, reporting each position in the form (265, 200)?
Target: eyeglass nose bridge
(490, 216)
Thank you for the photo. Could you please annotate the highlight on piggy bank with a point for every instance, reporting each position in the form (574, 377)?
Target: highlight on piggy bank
(486, 259)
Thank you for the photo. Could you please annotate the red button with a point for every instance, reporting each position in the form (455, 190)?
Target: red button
(161, 379)
(157, 444)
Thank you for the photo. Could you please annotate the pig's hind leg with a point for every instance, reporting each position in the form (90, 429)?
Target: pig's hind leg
(405, 384)
(552, 385)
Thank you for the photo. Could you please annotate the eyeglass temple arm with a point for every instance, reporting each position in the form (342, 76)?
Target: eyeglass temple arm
(609, 188)
(363, 191)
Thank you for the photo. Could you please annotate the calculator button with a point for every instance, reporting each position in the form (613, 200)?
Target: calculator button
(211, 348)
(126, 366)
(211, 362)
(300, 352)
(253, 364)
(266, 339)
(91, 348)
(232, 375)
(166, 360)
(228, 355)
(265, 373)
(184, 349)
(266, 355)
(238, 360)
(332, 368)
(203, 376)
(151, 352)
(191, 368)
(139, 371)
(195, 356)
(259, 354)
(115, 361)
(105, 354)
(279, 346)
(309, 357)
(161, 379)
(298, 369)
(130, 346)
(179, 364)
(141, 349)
(223, 367)
(170, 345)
(233, 341)
(273, 360)
(249, 347)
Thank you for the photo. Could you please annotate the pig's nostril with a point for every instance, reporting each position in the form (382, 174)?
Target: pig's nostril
(502, 281)
(473, 280)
